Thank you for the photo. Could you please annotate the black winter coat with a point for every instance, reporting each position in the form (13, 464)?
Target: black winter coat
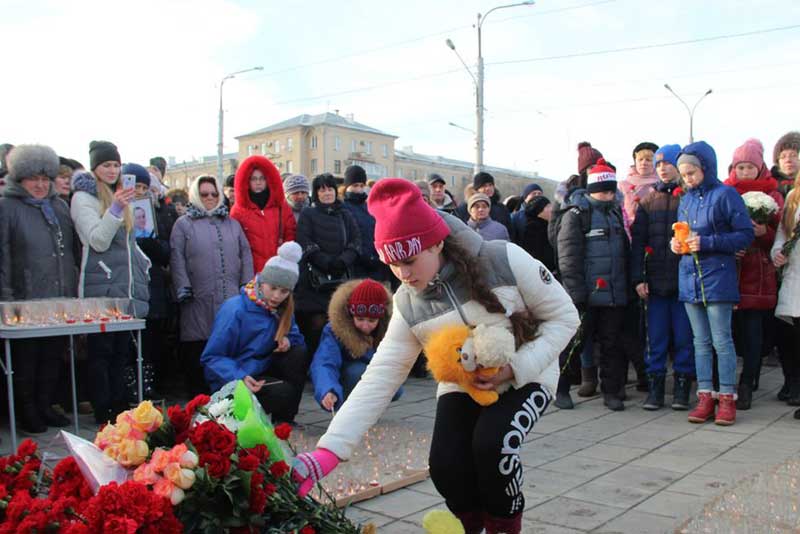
(589, 252)
(653, 227)
(368, 265)
(530, 233)
(498, 213)
(157, 249)
(36, 259)
(331, 242)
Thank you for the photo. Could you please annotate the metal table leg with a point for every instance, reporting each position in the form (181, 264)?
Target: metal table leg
(74, 383)
(12, 416)
(139, 362)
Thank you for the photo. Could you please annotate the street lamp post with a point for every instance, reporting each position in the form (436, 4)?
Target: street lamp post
(479, 94)
(688, 109)
(221, 118)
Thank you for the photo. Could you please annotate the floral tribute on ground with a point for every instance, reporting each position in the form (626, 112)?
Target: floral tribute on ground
(216, 465)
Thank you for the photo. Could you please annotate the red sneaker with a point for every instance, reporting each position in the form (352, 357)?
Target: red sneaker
(726, 415)
(704, 409)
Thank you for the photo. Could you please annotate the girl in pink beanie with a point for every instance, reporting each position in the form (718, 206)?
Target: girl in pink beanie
(451, 276)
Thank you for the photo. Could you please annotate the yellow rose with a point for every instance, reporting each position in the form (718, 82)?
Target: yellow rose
(183, 478)
(146, 417)
(132, 452)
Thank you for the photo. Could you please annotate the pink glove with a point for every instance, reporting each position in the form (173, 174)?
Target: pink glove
(308, 468)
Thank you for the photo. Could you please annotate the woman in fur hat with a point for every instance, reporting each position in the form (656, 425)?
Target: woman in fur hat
(359, 313)
(36, 238)
(450, 275)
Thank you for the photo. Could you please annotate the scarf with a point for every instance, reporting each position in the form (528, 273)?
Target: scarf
(47, 209)
(253, 292)
(765, 184)
(355, 198)
(197, 213)
(260, 199)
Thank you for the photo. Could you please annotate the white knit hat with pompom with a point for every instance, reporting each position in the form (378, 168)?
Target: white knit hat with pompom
(282, 270)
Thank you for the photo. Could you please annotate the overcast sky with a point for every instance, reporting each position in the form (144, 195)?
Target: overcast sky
(145, 73)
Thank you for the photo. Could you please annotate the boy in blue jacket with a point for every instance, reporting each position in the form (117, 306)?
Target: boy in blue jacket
(255, 339)
(358, 314)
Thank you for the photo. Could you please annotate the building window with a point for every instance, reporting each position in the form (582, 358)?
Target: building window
(352, 145)
(277, 147)
(385, 151)
(337, 143)
(249, 150)
(369, 147)
(313, 142)
(414, 174)
(289, 144)
(337, 166)
(289, 166)
(314, 166)
(452, 180)
(263, 148)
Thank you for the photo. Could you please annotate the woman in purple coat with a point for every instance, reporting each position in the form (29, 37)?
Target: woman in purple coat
(210, 261)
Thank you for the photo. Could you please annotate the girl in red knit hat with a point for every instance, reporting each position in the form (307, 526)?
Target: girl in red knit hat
(451, 276)
(358, 315)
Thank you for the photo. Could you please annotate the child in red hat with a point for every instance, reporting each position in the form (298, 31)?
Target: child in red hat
(451, 276)
(358, 315)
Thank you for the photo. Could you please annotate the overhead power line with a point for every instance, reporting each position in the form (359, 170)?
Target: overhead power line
(646, 47)
(543, 58)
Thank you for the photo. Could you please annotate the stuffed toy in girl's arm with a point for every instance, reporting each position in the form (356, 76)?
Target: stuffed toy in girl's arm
(459, 353)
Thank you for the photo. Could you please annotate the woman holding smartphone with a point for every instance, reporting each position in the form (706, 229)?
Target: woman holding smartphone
(111, 266)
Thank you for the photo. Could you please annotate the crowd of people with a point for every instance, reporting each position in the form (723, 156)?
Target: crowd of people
(276, 280)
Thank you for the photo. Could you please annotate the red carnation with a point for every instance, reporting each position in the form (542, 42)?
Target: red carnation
(636, 198)
(179, 419)
(269, 489)
(601, 283)
(677, 192)
(633, 188)
(648, 250)
(279, 469)
(308, 529)
(26, 448)
(217, 465)
(283, 431)
(248, 463)
(200, 400)
(259, 451)
(223, 441)
(258, 497)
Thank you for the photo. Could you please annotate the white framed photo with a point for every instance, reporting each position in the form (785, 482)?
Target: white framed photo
(144, 218)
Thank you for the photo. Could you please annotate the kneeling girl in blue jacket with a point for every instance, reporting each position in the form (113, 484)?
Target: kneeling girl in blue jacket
(255, 339)
(358, 315)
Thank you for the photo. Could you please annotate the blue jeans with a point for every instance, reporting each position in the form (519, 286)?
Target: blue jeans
(711, 327)
(666, 318)
(350, 375)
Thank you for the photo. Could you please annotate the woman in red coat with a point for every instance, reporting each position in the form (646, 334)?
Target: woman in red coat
(261, 208)
(758, 284)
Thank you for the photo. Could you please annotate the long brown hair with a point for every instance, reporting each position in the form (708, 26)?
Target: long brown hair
(106, 196)
(790, 208)
(286, 312)
(524, 325)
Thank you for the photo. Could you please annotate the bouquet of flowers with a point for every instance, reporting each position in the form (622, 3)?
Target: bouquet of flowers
(216, 465)
(760, 206)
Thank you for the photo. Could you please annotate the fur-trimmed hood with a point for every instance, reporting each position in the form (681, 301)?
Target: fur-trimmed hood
(342, 325)
(241, 184)
(84, 181)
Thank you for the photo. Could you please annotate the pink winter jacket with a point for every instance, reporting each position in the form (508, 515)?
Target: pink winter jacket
(634, 188)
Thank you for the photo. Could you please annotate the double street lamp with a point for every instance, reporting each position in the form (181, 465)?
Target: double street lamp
(479, 80)
(690, 110)
(221, 115)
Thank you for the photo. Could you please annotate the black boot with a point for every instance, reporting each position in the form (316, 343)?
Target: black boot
(29, 419)
(797, 414)
(613, 402)
(643, 383)
(745, 394)
(783, 393)
(563, 399)
(655, 396)
(680, 391)
(46, 385)
(794, 393)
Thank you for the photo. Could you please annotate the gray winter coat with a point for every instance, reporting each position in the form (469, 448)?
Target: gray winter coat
(111, 263)
(36, 258)
(210, 260)
(593, 251)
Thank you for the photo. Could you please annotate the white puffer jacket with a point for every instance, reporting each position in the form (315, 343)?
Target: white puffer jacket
(518, 280)
(789, 292)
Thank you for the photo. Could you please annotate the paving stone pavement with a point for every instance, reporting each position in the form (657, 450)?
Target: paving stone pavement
(592, 470)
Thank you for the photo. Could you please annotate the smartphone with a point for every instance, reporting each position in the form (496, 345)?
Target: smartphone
(128, 181)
